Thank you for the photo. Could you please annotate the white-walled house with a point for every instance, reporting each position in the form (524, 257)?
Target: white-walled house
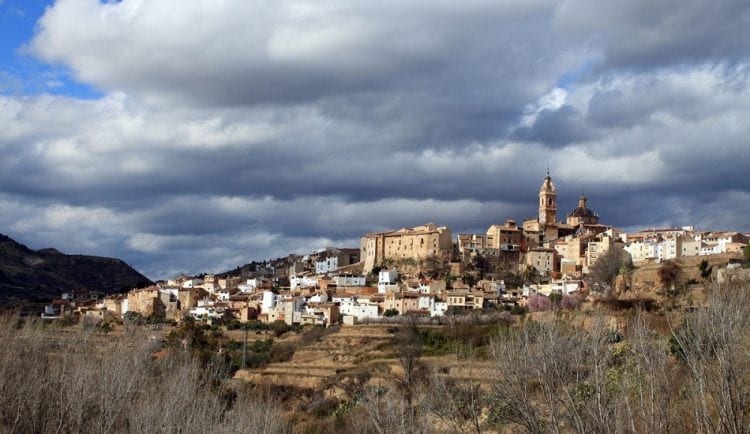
(360, 308)
(566, 286)
(191, 283)
(432, 287)
(246, 289)
(388, 277)
(425, 302)
(346, 280)
(250, 286)
(320, 297)
(333, 258)
(207, 312)
(387, 281)
(303, 282)
(439, 308)
(721, 240)
(269, 301)
(642, 250)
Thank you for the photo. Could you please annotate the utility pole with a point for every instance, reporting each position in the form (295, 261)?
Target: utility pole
(244, 348)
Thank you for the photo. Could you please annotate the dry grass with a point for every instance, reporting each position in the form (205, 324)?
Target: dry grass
(77, 381)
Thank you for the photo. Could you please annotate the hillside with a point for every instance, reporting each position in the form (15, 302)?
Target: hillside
(27, 275)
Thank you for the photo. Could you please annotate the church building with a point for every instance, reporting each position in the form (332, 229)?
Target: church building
(546, 227)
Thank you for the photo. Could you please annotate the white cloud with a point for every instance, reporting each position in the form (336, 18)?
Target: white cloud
(236, 130)
(551, 101)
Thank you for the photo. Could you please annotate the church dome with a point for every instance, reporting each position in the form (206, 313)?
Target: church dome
(582, 210)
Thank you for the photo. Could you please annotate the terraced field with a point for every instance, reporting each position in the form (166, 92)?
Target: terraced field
(314, 363)
(368, 347)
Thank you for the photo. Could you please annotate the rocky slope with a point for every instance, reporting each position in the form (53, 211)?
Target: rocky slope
(31, 275)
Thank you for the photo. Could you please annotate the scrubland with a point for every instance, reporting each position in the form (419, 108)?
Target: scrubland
(592, 370)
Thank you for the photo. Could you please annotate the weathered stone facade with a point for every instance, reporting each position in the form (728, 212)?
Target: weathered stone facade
(415, 244)
(144, 301)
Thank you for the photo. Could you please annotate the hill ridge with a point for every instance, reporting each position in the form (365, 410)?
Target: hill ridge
(28, 275)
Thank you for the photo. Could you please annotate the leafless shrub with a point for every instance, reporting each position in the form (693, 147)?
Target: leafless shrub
(382, 410)
(713, 343)
(650, 381)
(553, 377)
(74, 380)
(472, 318)
(459, 405)
(258, 412)
(603, 273)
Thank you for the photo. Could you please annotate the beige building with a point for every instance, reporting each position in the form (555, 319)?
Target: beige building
(498, 239)
(573, 248)
(507, 237)
(403, 303)
(114, 304)
(596, 249)
(464, 299)
(144, 301)
(416, 243)
(542, 259)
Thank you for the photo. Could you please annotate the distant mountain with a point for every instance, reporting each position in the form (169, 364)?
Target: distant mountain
(28, 275)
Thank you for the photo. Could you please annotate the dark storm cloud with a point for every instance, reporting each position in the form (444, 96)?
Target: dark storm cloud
(640, 35)
(233, 131)
(559, 127)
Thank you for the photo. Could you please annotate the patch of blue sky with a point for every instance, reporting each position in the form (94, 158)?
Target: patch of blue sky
(570, 78)
(22, 74)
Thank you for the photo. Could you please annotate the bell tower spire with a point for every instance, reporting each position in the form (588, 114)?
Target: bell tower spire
(548, 201)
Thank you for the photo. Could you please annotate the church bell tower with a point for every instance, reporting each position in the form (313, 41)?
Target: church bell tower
(547, 202)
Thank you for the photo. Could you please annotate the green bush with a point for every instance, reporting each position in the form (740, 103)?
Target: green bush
(133, 317)
(614, 337)
(257, 360)
(233, 325)
(434, 343)
(257, 326)
(281, 352)
(68, 320)
(390, 312)
(555, 298)
(279, 328)
(515, 309)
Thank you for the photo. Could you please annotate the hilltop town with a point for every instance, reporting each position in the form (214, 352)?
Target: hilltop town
(425, 271)
(555, 324)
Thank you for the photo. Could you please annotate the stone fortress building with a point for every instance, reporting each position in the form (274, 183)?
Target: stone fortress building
(417, 243)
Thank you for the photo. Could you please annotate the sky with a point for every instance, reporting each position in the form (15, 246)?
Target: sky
(198, 136)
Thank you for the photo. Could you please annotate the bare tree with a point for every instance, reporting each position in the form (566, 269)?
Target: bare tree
(713, 343)
(603, 273)
(651, 380)
(387, 411)
(74, 380)
(458, 404)
(670, 276)
(408, 346)
(552, 377)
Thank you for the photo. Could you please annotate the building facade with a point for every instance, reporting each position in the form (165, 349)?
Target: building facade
(416, 244)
